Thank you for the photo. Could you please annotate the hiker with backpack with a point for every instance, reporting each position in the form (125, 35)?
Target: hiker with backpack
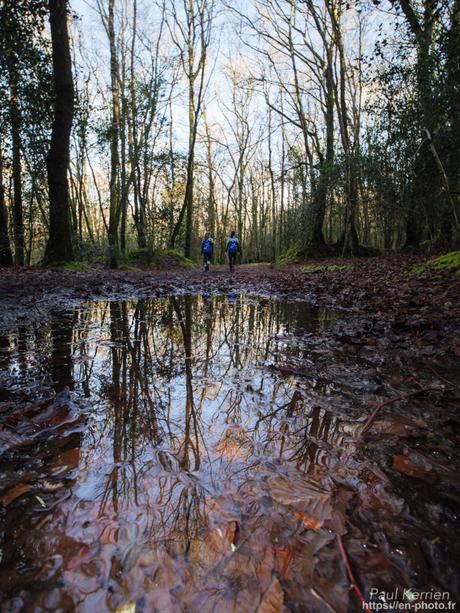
(232, 249)
(207, 249)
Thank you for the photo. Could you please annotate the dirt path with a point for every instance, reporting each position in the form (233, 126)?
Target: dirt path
(374, 285)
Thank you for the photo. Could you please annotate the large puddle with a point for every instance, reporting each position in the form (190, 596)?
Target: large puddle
(183, 465)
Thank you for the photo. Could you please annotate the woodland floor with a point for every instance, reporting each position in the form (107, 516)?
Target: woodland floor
(379, 509)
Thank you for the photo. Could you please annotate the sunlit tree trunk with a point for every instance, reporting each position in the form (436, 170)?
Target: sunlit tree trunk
(6, 257)
(325, 166)
(114, 207)
(211, 216)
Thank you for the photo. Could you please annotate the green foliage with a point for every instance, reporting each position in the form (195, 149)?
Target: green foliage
(448, 262)
(141, 256)
(26, 72)
(325, 268)
(87, 251)
(291, 256)
(294, 255)
(128, 268)
(162, 258)
(70, 266)
(426, 246)
(167, 258)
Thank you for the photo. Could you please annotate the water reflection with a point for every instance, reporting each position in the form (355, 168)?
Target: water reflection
(168, 497)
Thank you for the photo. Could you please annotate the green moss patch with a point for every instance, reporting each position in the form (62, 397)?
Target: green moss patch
(325, 268)
(138, 256)
(448, 262)
(70, 266)
(162, 258)
(291, 256)
(128, 268)
(170, 258)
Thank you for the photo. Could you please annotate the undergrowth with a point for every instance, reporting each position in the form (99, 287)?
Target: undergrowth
(70, 266)
(161, 258)
(448, 262)
(291, 256)
(325, 268)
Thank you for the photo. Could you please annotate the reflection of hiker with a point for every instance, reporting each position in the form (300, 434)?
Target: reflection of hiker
(232, 249)
(207, 249)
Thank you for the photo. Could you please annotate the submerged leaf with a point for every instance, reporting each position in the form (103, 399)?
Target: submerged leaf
(409, 466)
(309, 522)
(41, 501)
(14, 493)
(273, 598)
(309, 503)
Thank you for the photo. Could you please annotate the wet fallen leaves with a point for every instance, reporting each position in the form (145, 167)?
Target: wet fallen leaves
(14, 493)
(414, 467)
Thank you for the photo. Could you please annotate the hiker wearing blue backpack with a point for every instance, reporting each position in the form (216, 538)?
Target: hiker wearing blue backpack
(232, 249)
(207, 249)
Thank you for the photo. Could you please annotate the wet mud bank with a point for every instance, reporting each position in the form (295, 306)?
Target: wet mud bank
(261, 442)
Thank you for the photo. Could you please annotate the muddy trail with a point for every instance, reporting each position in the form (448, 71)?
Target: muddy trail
(274, 440)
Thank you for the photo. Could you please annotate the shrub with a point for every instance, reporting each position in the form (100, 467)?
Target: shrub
(448, 262)
(70, 266)
(169, 258)
(291, 256)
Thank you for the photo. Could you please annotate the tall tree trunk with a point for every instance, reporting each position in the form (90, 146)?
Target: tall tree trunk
(124, 188)
(6, 257)
(211, 217)
(16, 121)
(194, 41)
(139, 203)
(350, 241)
(326, 163)
(114, 212)
(281, 222)
(190, 171)
(187, 206)
(272, 187)
(59, 247)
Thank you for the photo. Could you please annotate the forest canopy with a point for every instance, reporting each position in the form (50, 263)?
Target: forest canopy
(316, 127)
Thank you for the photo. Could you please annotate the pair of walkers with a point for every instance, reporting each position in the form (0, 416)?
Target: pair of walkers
(232, 249)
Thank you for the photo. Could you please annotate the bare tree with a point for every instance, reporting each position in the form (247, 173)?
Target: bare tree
(190, 27)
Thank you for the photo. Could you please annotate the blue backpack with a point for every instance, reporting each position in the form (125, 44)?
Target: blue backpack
(233, 245)
(207, 246)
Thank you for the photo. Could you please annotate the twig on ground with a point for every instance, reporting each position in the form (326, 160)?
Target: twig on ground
(386, 403)
(451, 383)
(364, 605)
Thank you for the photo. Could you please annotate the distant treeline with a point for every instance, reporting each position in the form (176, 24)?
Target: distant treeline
(323, 127)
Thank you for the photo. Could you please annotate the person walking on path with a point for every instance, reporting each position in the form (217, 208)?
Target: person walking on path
(207, 249)
(232, 249)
